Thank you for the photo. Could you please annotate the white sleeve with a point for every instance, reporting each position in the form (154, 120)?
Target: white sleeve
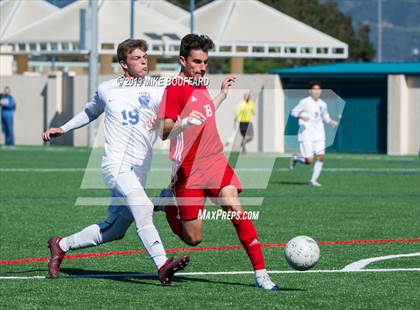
(298, 109)
(91, 112)
(325, 115)
(78, 121)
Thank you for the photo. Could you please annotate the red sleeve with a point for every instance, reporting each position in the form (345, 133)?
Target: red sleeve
(171, 104)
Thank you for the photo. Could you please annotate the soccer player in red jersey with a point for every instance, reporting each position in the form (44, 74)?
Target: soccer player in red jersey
(187, 118)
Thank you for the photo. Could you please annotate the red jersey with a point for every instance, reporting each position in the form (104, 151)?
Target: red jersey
(195, 143)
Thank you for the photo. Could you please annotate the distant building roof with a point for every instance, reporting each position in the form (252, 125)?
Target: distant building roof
(246, 28)
(165, 7)
(16, 14)
(59, 32)
(250, 28)
(353, 68)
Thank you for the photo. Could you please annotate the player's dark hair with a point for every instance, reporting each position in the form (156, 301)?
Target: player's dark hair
(194, 41)
(128, 46)
(314, 83)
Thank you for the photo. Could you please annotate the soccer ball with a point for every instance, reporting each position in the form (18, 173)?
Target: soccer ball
(302, 253)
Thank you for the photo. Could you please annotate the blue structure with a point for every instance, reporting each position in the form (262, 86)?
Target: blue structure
(364, 88)
(347, 69)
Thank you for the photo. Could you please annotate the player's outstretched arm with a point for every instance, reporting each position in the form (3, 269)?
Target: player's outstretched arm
(224, 89)
(91, 112)
(80, 120)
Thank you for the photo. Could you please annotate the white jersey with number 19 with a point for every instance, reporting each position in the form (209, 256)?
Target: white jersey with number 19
(127, 109)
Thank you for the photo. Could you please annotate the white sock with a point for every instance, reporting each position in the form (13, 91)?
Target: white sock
(63, 245)
(299, 159)
(153, 244)
(113, 228)
(89, 236)
(260, 272)
(317, 170)
(142, 210)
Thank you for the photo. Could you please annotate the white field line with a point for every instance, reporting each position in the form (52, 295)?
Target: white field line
(360, 264)
(144, 275)
(239, 169)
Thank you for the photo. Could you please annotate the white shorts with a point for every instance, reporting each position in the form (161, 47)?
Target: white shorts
(309, 148)
(123, 180)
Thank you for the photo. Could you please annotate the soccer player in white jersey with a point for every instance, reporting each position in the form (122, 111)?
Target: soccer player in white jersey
(312, 112)
(128, 103)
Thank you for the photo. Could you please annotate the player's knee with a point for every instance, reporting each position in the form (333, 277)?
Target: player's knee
(309, 160)
(144, 222)
(193, 240)
(235, 207)
(320, 158)
(141, 209)
(146, 212)
(192, 237)
(229, 191)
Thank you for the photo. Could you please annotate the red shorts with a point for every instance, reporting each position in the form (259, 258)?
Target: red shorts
(193, 185)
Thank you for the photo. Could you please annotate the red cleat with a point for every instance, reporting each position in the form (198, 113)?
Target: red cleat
(167, 271)
(57, 255)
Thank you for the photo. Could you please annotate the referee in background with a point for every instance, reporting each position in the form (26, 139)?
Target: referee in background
(245, 111)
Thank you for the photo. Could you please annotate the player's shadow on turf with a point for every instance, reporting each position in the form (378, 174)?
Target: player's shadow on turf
(130, 277)
(290, 183)
(227, 283)
(191, 279)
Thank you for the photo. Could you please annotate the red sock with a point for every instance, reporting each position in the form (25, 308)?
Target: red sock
(174, 222)
(249, 239)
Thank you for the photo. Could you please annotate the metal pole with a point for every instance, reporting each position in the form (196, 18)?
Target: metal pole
(93, 63)
(379, 30)
(132, 19)
(261, 120)
(192, 8)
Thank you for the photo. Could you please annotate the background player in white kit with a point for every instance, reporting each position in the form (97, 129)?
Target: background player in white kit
(312, 111)
(126, 161)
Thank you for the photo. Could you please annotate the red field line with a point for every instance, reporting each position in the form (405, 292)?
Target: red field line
(216, 248)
